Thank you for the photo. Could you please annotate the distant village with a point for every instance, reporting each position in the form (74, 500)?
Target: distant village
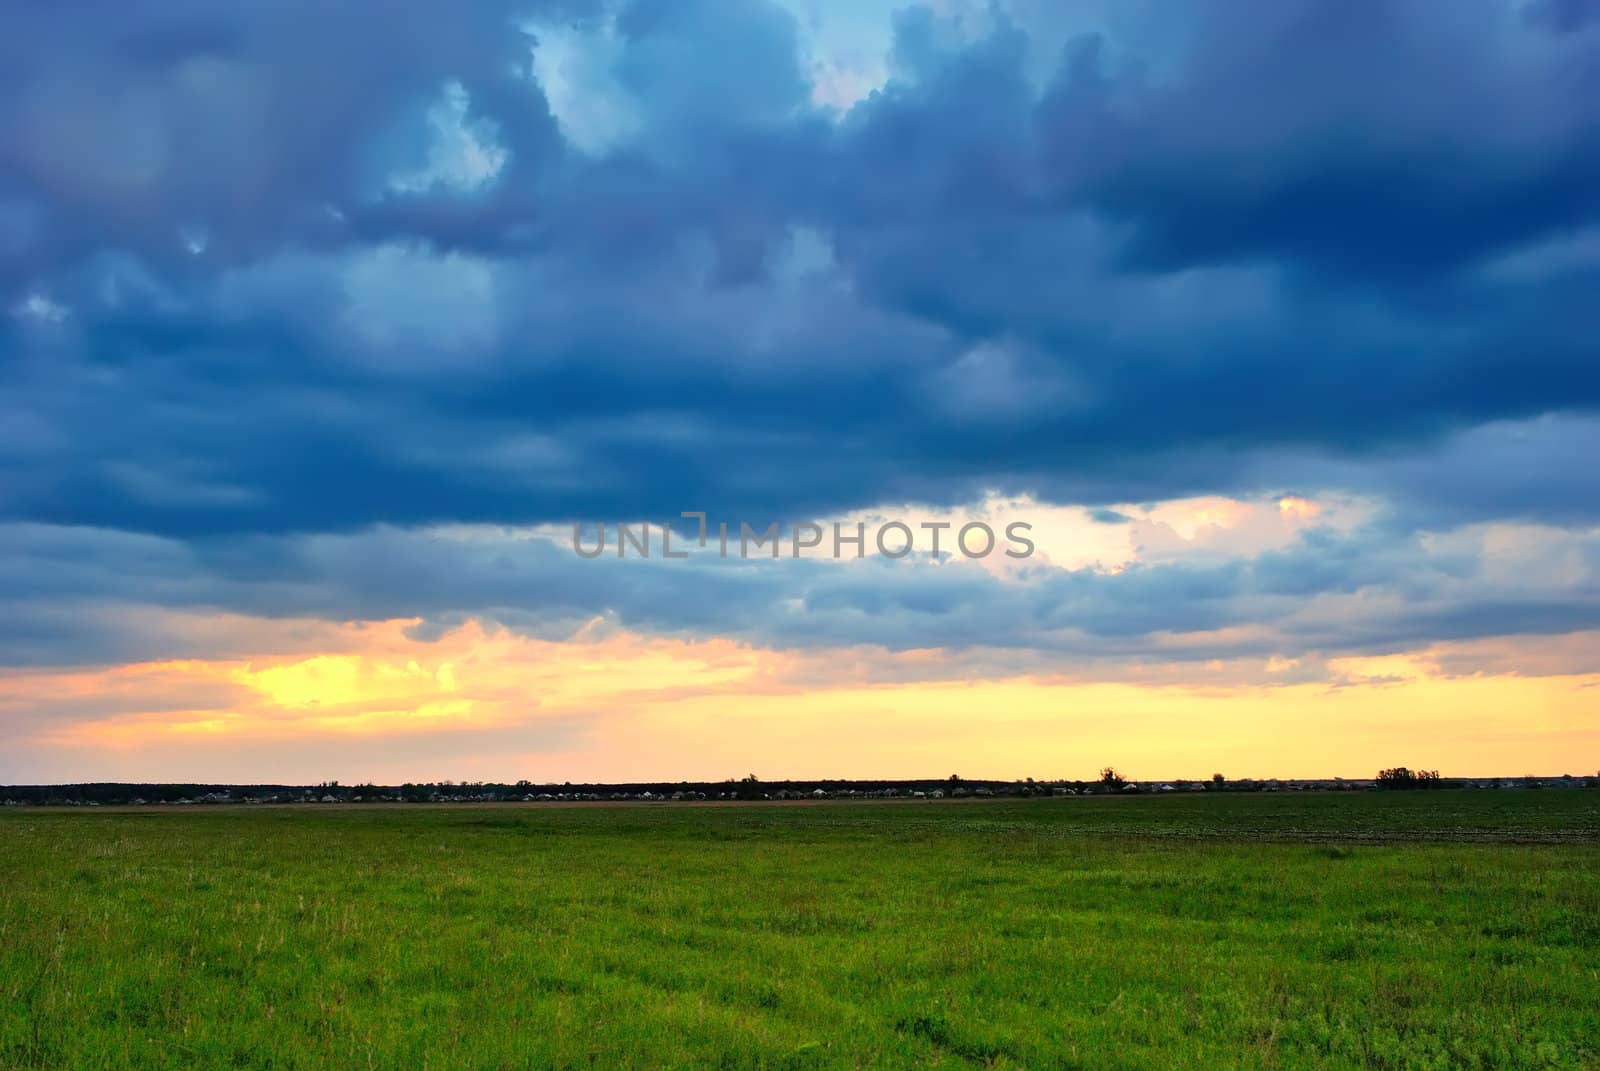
(748, 789)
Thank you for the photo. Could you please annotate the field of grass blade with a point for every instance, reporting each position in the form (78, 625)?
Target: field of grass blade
(1405, 930)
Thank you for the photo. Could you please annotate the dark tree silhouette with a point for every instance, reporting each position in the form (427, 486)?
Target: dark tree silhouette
(1401, 777)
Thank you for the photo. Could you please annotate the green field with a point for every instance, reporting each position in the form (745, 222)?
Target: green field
(1403, 930)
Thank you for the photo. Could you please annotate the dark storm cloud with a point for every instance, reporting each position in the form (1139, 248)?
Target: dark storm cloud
(1376, 141)
(1317, 244)
(131, 125)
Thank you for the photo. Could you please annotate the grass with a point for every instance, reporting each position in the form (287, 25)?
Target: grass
(1412, 930)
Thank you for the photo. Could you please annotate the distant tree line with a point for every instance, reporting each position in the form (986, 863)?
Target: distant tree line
(750, 787)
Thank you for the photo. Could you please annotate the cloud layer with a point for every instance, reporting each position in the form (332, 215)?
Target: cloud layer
(328, 317)
(261, 285)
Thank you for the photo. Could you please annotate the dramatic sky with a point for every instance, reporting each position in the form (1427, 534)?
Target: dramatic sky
(321, 325)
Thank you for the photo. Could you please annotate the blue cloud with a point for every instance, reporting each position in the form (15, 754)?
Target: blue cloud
(1322, 245)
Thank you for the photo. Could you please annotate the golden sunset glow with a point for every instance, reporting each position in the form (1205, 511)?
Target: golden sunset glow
(634, 706)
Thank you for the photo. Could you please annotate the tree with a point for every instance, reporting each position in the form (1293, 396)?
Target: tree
(1111, 780)
(1218, 783)
(1399, 777)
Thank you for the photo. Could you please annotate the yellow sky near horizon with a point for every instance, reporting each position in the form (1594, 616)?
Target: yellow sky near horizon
(486, 704)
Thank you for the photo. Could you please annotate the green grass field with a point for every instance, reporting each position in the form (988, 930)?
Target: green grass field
(1405, 930)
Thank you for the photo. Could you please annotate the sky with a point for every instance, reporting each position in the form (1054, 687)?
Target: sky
(326, 329)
